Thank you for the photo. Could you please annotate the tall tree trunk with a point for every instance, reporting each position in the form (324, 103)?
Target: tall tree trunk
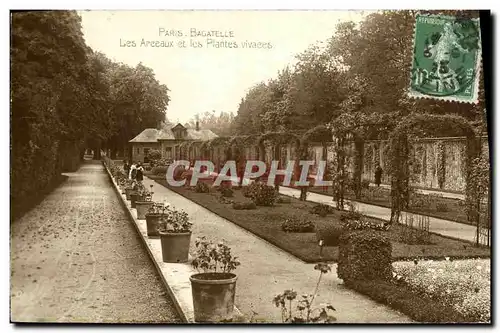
(359, 145)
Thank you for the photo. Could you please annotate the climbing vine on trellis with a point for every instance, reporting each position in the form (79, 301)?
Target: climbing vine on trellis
(276, 140)
(399, 146)
(441, 164)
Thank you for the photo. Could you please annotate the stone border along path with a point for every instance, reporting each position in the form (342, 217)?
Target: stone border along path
(439, 226)
(265, 270)
(174, 276)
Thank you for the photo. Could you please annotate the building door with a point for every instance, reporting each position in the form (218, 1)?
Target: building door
(146, 151)
(168, 153)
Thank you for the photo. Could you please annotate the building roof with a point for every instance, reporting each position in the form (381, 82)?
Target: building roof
(150, 135)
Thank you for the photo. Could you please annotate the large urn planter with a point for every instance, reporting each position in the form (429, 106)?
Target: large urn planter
(175, 246)
(213, 296)
(142, 208)
(152, 224)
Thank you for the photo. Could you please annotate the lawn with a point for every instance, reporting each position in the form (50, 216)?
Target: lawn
(426, 204)
(266, 222)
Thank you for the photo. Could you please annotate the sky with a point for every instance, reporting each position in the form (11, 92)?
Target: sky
(214, 76)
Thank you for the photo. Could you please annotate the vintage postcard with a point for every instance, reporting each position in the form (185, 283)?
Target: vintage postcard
(244, 166)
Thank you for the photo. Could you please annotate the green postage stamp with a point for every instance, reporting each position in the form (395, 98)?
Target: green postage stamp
(447, 58)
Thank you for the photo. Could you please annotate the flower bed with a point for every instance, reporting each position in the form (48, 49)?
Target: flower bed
(461, 284)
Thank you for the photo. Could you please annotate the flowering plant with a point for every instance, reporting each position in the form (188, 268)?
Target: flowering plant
(304, 306)
(211, 257)
(174, 221)
(462, 284)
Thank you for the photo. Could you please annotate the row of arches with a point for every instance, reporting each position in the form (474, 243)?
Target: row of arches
(346, 129)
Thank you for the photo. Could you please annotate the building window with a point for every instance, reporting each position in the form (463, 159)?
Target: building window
(138, 150)
(146, 151)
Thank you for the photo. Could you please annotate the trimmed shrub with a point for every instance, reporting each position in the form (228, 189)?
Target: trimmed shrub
(322, 210)
(159, 170)
(226, 192)
(263, 195)
(441, 207)
(364, 255)
(294, 224)
(202, 187)
(244, 205)
(249, 190)
(329, 234)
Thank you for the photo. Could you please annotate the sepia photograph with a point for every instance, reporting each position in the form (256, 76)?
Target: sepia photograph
(250, 166)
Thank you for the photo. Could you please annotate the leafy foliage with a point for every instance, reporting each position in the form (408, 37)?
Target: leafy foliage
(202, 187)
(244, 205)
(211, 257)
(322, 209)
(294, 224)
(364, 255)
(262, 194)
(305, 312)
(174, 221)
(65, 97)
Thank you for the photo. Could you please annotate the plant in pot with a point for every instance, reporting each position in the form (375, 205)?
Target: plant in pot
(155, 212)
(144, 202)
(135, 195)
(129, 188)
(214, 288)
(175, 235)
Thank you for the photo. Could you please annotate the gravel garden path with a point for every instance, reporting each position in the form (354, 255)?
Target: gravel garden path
(77, 258)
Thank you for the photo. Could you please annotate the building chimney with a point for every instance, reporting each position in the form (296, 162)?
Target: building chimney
(197, 125)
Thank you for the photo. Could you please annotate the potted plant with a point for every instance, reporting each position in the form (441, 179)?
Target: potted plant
(153, 216)
(135, 195)
(175, 235)
(142, 206)
(213, 289)
(129, 188)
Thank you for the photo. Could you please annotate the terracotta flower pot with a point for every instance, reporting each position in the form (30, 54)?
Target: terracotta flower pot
(213, 296)
(152, 222)
(142, 208)
(134, 197)
(128, 191)
(175, 246)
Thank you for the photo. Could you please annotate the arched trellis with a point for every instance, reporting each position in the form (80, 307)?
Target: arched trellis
(357, 127)
(216, 143)
(399, 149)
(321, 134)
(237, 144)
(277, 139)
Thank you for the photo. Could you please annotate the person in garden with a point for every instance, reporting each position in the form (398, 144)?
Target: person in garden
(133, 171)
(126, 167)
(139, 176)
(378, 175)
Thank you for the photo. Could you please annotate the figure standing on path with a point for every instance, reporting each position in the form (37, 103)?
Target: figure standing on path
(126, 167)
(139, 176)
(133, 171)
(378, 175)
